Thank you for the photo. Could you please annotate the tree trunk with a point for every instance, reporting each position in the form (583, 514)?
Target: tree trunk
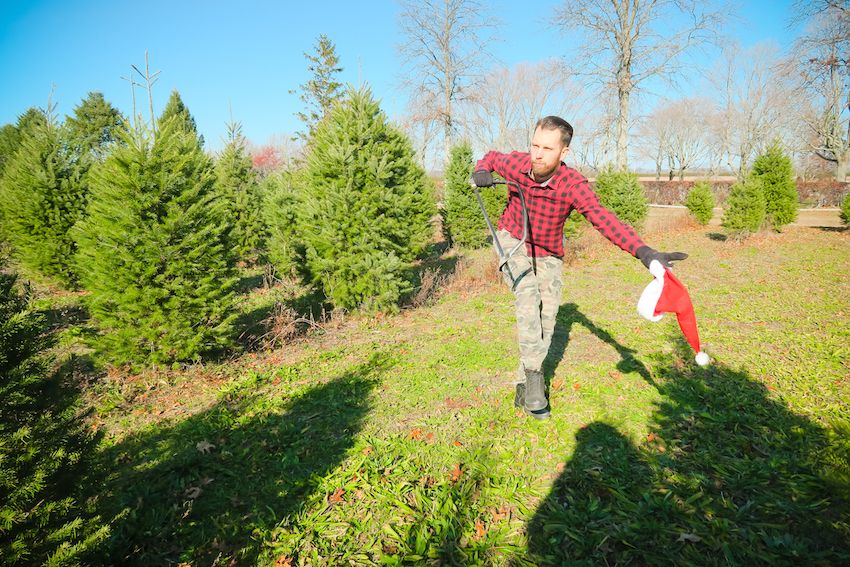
(622, 160)
(842, 163)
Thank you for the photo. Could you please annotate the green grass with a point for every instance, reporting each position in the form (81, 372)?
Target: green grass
(394, 440)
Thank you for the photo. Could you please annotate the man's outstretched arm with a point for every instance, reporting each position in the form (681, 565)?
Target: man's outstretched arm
(606, 222)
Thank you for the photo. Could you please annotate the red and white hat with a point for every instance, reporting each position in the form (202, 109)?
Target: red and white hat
(666, 294)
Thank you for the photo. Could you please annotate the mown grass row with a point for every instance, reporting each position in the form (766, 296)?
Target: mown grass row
(395, 441)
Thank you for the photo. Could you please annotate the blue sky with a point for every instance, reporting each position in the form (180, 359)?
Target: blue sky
(248, 55)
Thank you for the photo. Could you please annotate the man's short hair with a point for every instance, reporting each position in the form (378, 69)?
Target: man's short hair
(557, 123)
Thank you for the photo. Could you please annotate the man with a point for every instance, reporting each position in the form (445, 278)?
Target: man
(552, 190)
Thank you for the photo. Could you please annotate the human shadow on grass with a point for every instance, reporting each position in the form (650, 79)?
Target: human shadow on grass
(726, 476)
(201, 490)
(568, 316)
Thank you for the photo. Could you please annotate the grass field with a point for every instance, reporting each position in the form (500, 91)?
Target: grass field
(393, 440)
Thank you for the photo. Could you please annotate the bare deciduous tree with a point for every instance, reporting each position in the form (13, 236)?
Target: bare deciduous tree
(510, 101)
(823, 65)
(445, 52)
(626, 42)
(754, 104)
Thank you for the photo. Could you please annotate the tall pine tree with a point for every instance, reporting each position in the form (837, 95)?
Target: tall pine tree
(367, 213)
(773, 169)
(42, 197)
(323, 89)
(154, 252)
(238, 185)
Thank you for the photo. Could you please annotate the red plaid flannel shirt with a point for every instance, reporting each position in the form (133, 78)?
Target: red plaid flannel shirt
(550, 204)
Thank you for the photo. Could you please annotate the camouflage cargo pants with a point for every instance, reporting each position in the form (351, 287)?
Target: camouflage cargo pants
(538, 297)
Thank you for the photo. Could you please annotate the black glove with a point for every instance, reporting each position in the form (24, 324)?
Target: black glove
(646, 255)
(482, 178)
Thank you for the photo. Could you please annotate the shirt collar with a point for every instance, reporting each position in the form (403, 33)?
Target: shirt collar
(548, 181)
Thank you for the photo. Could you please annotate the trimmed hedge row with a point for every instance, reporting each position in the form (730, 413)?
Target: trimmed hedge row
(824, 193)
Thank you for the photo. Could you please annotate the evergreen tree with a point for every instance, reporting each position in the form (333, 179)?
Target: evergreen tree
(94, 125)
(463, 223)
(11, 135)
(624, 195)
(31, 120)
(153, 251)
(44, 448)
(41, 198)
(773, 169)
(282, 202)
(367, 213)
(237, 183)
(175, 108)
(700, 202)
(744, 212)
(10, 140)
(322, 90)
(845, 209)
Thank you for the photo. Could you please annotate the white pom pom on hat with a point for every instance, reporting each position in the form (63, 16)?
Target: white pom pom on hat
(666, 294)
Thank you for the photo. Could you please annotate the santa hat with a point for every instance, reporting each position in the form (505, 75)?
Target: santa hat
(666, 294)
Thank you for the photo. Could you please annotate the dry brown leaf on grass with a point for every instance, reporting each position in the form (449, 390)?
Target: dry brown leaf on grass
(283, 561)
(415, 434)
(456, 473)
(336, 497)
(480, 530)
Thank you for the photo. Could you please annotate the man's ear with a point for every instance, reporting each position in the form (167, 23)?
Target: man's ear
(564, 153)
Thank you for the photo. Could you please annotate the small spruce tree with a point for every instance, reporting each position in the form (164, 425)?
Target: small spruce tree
(700, 202)
(45, 447)
(237, 183)
(154, 253)
(94, 126)
(622, 193)
(41, 197)
(367, 212)
(744, 212)
(463, 223)
(845, 209)
(282, 202)
(773, 169)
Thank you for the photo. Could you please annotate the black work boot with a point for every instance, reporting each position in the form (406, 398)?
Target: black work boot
(535, 391)
(519, 402)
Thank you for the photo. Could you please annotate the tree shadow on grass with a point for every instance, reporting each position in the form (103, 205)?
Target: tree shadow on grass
(727, 476)
(569, 315)
(196, 491)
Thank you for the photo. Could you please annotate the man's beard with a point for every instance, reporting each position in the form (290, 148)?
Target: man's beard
(541, 174)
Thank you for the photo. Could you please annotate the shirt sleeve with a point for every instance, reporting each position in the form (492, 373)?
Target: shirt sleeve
(493, 161)
(604, 220)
